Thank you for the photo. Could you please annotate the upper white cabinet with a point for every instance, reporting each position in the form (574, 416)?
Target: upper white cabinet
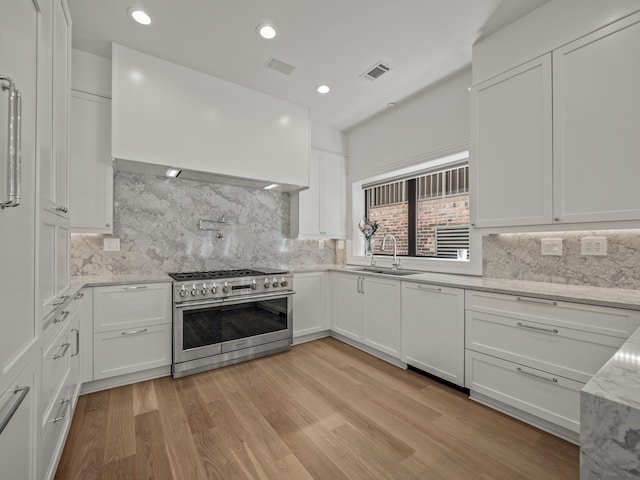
(166, 114)
(556, 146)
(511, 167)
(91, 168)
(596, 108)
(320, 211)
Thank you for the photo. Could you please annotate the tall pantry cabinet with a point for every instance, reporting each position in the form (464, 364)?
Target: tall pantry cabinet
(34, 225)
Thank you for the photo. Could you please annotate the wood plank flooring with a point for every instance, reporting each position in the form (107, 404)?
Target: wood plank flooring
(323, 410)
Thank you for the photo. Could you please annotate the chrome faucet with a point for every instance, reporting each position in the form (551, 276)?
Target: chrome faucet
(396, 262)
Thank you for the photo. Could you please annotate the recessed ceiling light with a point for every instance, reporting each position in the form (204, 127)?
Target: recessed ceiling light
(139, 16)
(267, 31)
(173, 172)
(270, 186)
(323, 89)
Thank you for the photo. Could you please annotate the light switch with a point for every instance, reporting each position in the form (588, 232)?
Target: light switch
(340, 244)
(321, 244)
(551, 246)
(111, 244)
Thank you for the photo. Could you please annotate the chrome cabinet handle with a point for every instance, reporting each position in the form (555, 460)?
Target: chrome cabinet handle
(135, 287)
(62, 209)
(62, 317)
(13, 144)
(18, 151)
(362, 285)
(62, 411)
(79, 296)
(539, 377)
(135, 332)
(537, 300)
(63, 299)
(63, 351)
(7, 412)
(539, 329)
(77, 341)
(430, 289)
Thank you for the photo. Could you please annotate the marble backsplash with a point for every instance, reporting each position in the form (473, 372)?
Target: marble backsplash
(518, 256)
(156, 219)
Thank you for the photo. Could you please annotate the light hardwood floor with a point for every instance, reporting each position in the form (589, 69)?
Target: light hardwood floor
(323, 410)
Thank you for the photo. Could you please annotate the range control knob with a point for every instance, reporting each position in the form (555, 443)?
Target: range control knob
(254, 285)
(283, 282)
(184, 292)
(225, 287)
(214, 288)
(275, 282)
(266, 283)
(194, 290)
(204, 289)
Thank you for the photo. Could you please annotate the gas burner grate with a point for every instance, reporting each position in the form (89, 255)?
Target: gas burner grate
(195, 276)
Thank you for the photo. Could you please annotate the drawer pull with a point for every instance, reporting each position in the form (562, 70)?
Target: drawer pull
(539, 377)
(62, 411)
(135, 332)
(63, 351)
(62, 317)
(79, 296)
(135, 287)
(9, 410)
(539, 329)
(537, 300)
(62, 299)
(77, 341)
(431, 289)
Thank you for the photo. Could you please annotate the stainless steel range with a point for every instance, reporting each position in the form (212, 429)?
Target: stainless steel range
(228, 316)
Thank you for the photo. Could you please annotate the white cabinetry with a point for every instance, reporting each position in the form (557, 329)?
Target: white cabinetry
(511, 147)
(225, 128)
(132, 328)
(596, 108)
(310, 315)
(91, 168)
(367, 309)
(555, 147)
(530, 356)
(320, 211)
(433, 330)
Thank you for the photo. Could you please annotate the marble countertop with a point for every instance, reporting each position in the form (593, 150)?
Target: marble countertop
(107, 280)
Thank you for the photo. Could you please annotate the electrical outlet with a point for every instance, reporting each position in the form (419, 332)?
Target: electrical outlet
(551, 246)
(111, 245)
(593, 245)
(340, 244)
(321, 244)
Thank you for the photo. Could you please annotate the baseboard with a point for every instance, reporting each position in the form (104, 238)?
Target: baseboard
(558, 431)
(121, 380)
(369, 350)
(311, 337)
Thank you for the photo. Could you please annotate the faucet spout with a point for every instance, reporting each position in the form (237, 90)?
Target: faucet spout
(396, 262)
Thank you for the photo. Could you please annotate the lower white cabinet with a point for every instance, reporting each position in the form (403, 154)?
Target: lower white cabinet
(128, 351)
(18, 406)
(309, 304)
(433, 330)
(367, 309)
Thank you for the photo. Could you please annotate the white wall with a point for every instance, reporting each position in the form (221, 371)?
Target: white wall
(434, 120)
(90, 73)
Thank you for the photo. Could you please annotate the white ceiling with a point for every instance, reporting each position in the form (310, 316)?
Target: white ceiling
(328, 41)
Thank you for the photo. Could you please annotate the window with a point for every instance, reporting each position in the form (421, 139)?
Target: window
(427, 212)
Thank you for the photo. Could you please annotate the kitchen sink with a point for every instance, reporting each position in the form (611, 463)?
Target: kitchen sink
(386, 271)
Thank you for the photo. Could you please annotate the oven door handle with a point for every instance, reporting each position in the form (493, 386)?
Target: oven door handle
(260, 296)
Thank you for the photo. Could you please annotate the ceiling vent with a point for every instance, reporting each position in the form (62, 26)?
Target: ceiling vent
(280, 66)
(375, 72)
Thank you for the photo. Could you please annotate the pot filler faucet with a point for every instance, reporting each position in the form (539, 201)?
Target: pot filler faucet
(396, 262)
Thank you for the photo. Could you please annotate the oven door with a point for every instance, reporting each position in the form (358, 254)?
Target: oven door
(197, 330)
(256, 320)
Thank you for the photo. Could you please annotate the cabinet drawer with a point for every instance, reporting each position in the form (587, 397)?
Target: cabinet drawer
(54, 430)
(131, 306)
(607, 321)
(59, 320)
(128, 351)
(55, 368)
(547, 396)
(570, 353)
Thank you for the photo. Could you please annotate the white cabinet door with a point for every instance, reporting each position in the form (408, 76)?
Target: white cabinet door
(333, 199)
(85, 322)
(433, 330)
(18, 324)
(346, 302)
(309, 304)
(306, 204)
(596, 105)
(381, 314)
(91, 168)
(54, 260)
(511, 154)
(18, 438)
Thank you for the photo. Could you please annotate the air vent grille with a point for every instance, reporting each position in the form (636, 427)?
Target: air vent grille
(376, 71)
(280, 66)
